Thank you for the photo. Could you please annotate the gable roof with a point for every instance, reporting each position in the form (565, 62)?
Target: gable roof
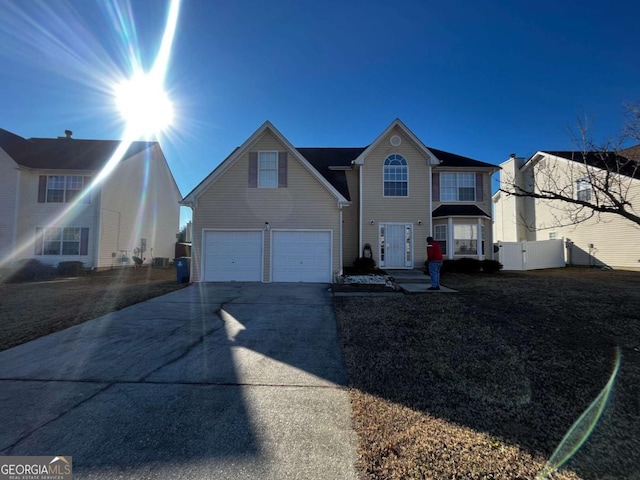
(397, 123)
(329, 164)
(613, 161)
(64, 153)
(241, 150)
(323, 158)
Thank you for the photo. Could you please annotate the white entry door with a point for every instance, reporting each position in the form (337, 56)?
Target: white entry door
(396, 245)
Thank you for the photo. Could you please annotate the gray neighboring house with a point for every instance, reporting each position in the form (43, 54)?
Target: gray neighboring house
(134, 210)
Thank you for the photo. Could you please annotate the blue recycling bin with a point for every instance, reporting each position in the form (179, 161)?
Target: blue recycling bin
(183, 269)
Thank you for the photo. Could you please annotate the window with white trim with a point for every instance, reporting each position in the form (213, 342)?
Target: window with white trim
(58, 241)
(440, 235)
(64, 188)
(465, 239)
(583, 189)
(553, 235)
(457, 187)
(396, 176)
(267, 169)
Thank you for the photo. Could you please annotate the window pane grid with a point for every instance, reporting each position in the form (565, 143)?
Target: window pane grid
(63, 189)
(268, 169)
(457, 187)
(440, 234)
(395, 176)
(60, 241)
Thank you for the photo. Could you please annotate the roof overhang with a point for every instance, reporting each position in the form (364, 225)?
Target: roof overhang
(444, 211)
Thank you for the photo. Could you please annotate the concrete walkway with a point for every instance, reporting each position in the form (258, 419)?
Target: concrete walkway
(415, 281)
(213, 381)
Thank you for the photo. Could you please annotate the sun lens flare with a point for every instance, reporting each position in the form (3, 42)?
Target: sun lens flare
(144, 105)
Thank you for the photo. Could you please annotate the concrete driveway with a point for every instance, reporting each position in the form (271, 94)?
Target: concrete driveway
(230, 380)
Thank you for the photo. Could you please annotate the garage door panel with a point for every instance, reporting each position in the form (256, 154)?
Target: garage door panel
(233, 256)
(303, 256)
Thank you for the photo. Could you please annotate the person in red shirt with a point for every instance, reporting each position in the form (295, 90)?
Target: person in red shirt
(434, 258)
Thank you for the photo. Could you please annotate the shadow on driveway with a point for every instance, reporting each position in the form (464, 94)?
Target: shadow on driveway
(215, 380)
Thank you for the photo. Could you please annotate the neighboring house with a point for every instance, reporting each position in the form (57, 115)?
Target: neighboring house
(272, 212)
(50, 213)
(605, 239)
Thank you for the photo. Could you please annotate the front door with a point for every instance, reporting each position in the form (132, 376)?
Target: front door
(396, 245)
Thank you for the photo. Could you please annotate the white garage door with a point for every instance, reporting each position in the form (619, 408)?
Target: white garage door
(232, 256)
(301, 256)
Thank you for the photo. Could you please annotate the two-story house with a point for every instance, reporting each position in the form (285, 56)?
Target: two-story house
(53, 211)
(272, 212)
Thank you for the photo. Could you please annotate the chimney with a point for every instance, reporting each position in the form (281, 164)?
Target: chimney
(68, 133)
(513, 155)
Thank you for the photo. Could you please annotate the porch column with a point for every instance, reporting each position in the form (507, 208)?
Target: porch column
(479, 239)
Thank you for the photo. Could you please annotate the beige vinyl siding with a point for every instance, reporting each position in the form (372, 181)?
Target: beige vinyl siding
(411, 209)
(8, 197)
(139, 200)
(614, 238)
(228, 203)
(33, 215)
(350, 216)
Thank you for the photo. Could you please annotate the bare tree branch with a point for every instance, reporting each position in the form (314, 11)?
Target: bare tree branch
(589, 183)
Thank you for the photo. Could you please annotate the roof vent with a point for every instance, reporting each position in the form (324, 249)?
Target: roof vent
(513, 155)
(68, 133)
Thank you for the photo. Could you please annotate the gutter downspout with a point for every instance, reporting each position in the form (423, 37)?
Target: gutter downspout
(340, 206)
(16, 216)
(360, 208)
(430, 201)
(97, 197)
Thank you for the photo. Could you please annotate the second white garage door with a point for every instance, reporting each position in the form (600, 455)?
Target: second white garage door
(232, 256)
(301, 256)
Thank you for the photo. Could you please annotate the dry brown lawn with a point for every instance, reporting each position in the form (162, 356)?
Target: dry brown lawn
(485, 383)
(31, 310)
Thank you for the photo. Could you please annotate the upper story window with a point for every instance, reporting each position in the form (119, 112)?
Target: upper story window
(62, 188)
(458, 187)
(395, 176)
(583, 189)
(267, 169)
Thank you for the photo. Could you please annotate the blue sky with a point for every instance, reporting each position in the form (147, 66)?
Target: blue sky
(480, 79)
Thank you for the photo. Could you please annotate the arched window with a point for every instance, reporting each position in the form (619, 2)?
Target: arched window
(395, 176)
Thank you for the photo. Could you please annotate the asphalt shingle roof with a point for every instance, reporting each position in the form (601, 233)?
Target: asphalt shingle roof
(605, 160)
(322, 158)
(63, 153)
(452, 160)
(459, 211)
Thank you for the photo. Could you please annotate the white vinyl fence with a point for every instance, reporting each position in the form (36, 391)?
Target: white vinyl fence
(531, 255)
